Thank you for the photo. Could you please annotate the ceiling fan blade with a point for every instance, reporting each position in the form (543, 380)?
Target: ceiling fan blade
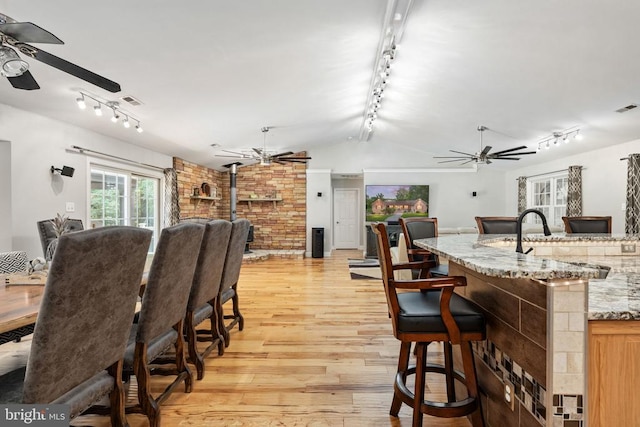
(468, 161)
(485, 151)
(452, 157)
(513, 154)
(28, 32)
(258, 150)
(451, 161)
(24, 81)
(233, 157)
(68, 67)
(234, 152)
(509, 150)
(286, 153)
(505, 158)
(294, 158)
(462, 152)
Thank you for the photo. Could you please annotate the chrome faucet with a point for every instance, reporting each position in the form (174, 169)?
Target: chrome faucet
(545, 227)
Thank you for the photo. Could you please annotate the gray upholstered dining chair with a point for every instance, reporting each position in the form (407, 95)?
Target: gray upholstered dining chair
(87, 308)
(230, 276)
(48, 235)
(497, 224)
(161, 321)
(204, 292)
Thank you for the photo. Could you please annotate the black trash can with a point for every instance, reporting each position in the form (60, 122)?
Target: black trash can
(317, 242)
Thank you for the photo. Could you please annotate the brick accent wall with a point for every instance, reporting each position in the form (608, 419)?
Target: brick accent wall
(190, 176)
(279, 227)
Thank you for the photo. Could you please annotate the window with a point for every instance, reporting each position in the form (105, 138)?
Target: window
(121, 197)
(549, 195)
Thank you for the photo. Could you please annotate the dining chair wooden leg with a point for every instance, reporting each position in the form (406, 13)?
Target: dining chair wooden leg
(403, 365)
(117, 397)
(471, 379)
(238, 317)
(147, 403)
(181, 362)
(192, 347)
(418, 399)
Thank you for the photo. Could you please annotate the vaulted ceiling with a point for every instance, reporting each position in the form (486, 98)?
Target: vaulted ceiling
(214, 72)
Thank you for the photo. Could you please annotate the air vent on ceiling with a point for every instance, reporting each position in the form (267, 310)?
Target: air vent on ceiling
(627, 108)
(131, 100)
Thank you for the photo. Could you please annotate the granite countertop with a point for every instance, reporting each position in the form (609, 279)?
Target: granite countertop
(617, 297)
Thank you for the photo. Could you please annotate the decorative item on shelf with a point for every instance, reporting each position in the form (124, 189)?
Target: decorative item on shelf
(206, 189)
(196, 191)
(253, 196)
(214, 192)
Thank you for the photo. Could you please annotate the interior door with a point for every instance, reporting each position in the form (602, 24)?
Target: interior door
(346, 232)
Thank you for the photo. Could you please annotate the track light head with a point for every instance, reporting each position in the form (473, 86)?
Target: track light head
(81, 104)
(98, 110)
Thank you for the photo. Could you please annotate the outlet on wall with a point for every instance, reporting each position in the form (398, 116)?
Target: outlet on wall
(509, 396)
(628, 248)
(71, 207)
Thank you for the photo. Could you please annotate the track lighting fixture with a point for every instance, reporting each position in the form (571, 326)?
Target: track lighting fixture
(559, 136)
(117, 112)
(391, 33)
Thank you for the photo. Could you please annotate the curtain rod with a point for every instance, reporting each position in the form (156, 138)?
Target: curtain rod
(548, 173)
(82, 150)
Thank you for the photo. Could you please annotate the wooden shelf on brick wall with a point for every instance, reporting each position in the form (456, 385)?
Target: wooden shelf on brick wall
(200, 198)
(261, 199)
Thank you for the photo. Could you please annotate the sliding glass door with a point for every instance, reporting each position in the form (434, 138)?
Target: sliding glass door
(120, 197)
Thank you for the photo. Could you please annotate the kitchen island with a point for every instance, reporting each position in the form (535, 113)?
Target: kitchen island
(564, 337)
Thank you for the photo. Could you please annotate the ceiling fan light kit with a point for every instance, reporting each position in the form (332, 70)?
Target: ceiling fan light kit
(114, 106)
(484, 156)
(14, 37)
(264, 156)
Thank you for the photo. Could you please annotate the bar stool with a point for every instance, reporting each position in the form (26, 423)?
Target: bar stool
(427, 310)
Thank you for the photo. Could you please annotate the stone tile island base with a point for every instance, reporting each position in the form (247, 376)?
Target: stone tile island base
(536, 344)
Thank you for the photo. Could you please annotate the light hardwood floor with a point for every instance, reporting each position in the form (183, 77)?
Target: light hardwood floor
(317, 350)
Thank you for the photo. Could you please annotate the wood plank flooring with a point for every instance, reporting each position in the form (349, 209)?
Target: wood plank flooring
(317, 350)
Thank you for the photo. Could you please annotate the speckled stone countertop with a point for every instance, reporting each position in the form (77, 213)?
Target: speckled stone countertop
(615, 298)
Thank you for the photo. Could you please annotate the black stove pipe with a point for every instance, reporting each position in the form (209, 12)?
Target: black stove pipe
(233, 174)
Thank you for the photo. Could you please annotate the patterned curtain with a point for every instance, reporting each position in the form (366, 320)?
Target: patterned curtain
(171, 198)
(522, 194)
(574, 191)
(632, 214)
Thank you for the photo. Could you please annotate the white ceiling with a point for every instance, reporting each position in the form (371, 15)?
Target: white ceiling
(217, 71)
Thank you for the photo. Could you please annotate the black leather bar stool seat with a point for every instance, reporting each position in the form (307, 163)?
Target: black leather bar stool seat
(425, 311)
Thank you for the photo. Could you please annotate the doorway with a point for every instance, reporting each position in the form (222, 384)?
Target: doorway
(346, 217)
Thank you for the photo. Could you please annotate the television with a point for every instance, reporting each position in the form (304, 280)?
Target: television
(388, 203)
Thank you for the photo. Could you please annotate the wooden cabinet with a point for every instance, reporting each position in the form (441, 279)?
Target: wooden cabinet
(614, 373)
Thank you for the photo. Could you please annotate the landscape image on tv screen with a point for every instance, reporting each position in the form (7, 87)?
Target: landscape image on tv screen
(390, 202)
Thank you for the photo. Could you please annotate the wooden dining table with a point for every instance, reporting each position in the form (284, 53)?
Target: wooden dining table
(19, 305)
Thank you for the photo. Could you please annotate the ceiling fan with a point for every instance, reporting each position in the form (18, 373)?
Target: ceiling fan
(264, 156)
(484, 155)
(15, 36)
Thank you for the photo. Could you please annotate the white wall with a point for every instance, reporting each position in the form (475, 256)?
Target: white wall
(5, 196)
(319, 181)
(37, 143)
(604, 180)
(450, 193)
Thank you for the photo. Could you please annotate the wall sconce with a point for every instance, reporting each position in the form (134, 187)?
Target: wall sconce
(114, 106)
(65, 171)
